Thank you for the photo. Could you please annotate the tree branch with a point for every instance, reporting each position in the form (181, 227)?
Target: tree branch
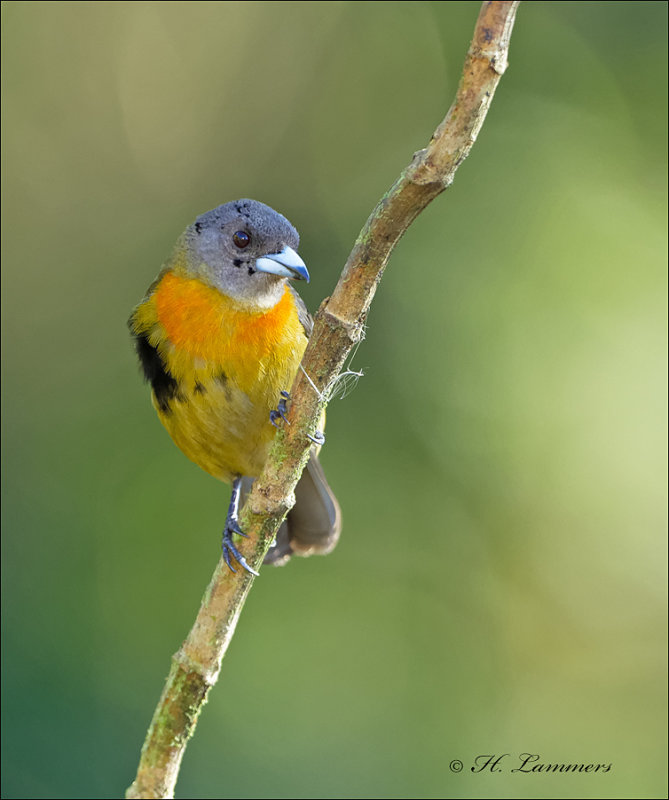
(338, 327)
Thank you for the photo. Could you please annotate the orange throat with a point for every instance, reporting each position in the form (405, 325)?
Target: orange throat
(206, 324)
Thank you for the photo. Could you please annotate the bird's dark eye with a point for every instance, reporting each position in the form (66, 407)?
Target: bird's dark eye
(241, 239)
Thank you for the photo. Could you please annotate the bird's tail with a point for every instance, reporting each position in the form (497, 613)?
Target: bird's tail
(313, 525)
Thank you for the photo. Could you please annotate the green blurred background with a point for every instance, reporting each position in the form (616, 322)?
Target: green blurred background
(500, 583)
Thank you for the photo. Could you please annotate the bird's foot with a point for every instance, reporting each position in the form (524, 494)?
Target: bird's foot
(231, 528)
(280, 412)
(229, 548)
(318, 438)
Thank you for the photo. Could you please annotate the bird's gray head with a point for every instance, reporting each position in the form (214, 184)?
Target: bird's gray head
(246, 250)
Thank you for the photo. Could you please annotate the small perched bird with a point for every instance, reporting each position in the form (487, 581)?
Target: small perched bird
(220, 335)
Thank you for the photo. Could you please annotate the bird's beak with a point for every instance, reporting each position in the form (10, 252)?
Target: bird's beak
(287, 264)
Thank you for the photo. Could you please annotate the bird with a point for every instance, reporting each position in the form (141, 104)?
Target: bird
(220, 335)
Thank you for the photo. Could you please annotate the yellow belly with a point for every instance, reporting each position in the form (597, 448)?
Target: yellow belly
(221, 428)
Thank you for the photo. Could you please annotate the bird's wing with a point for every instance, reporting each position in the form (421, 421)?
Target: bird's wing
(302, 314)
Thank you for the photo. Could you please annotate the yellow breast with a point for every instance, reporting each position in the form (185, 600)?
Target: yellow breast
(229, 366)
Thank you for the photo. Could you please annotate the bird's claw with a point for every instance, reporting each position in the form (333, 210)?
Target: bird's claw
(229, 548)
(280, 412)
(318, 438)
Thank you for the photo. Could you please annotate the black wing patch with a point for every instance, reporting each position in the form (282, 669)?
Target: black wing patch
(163, 384)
